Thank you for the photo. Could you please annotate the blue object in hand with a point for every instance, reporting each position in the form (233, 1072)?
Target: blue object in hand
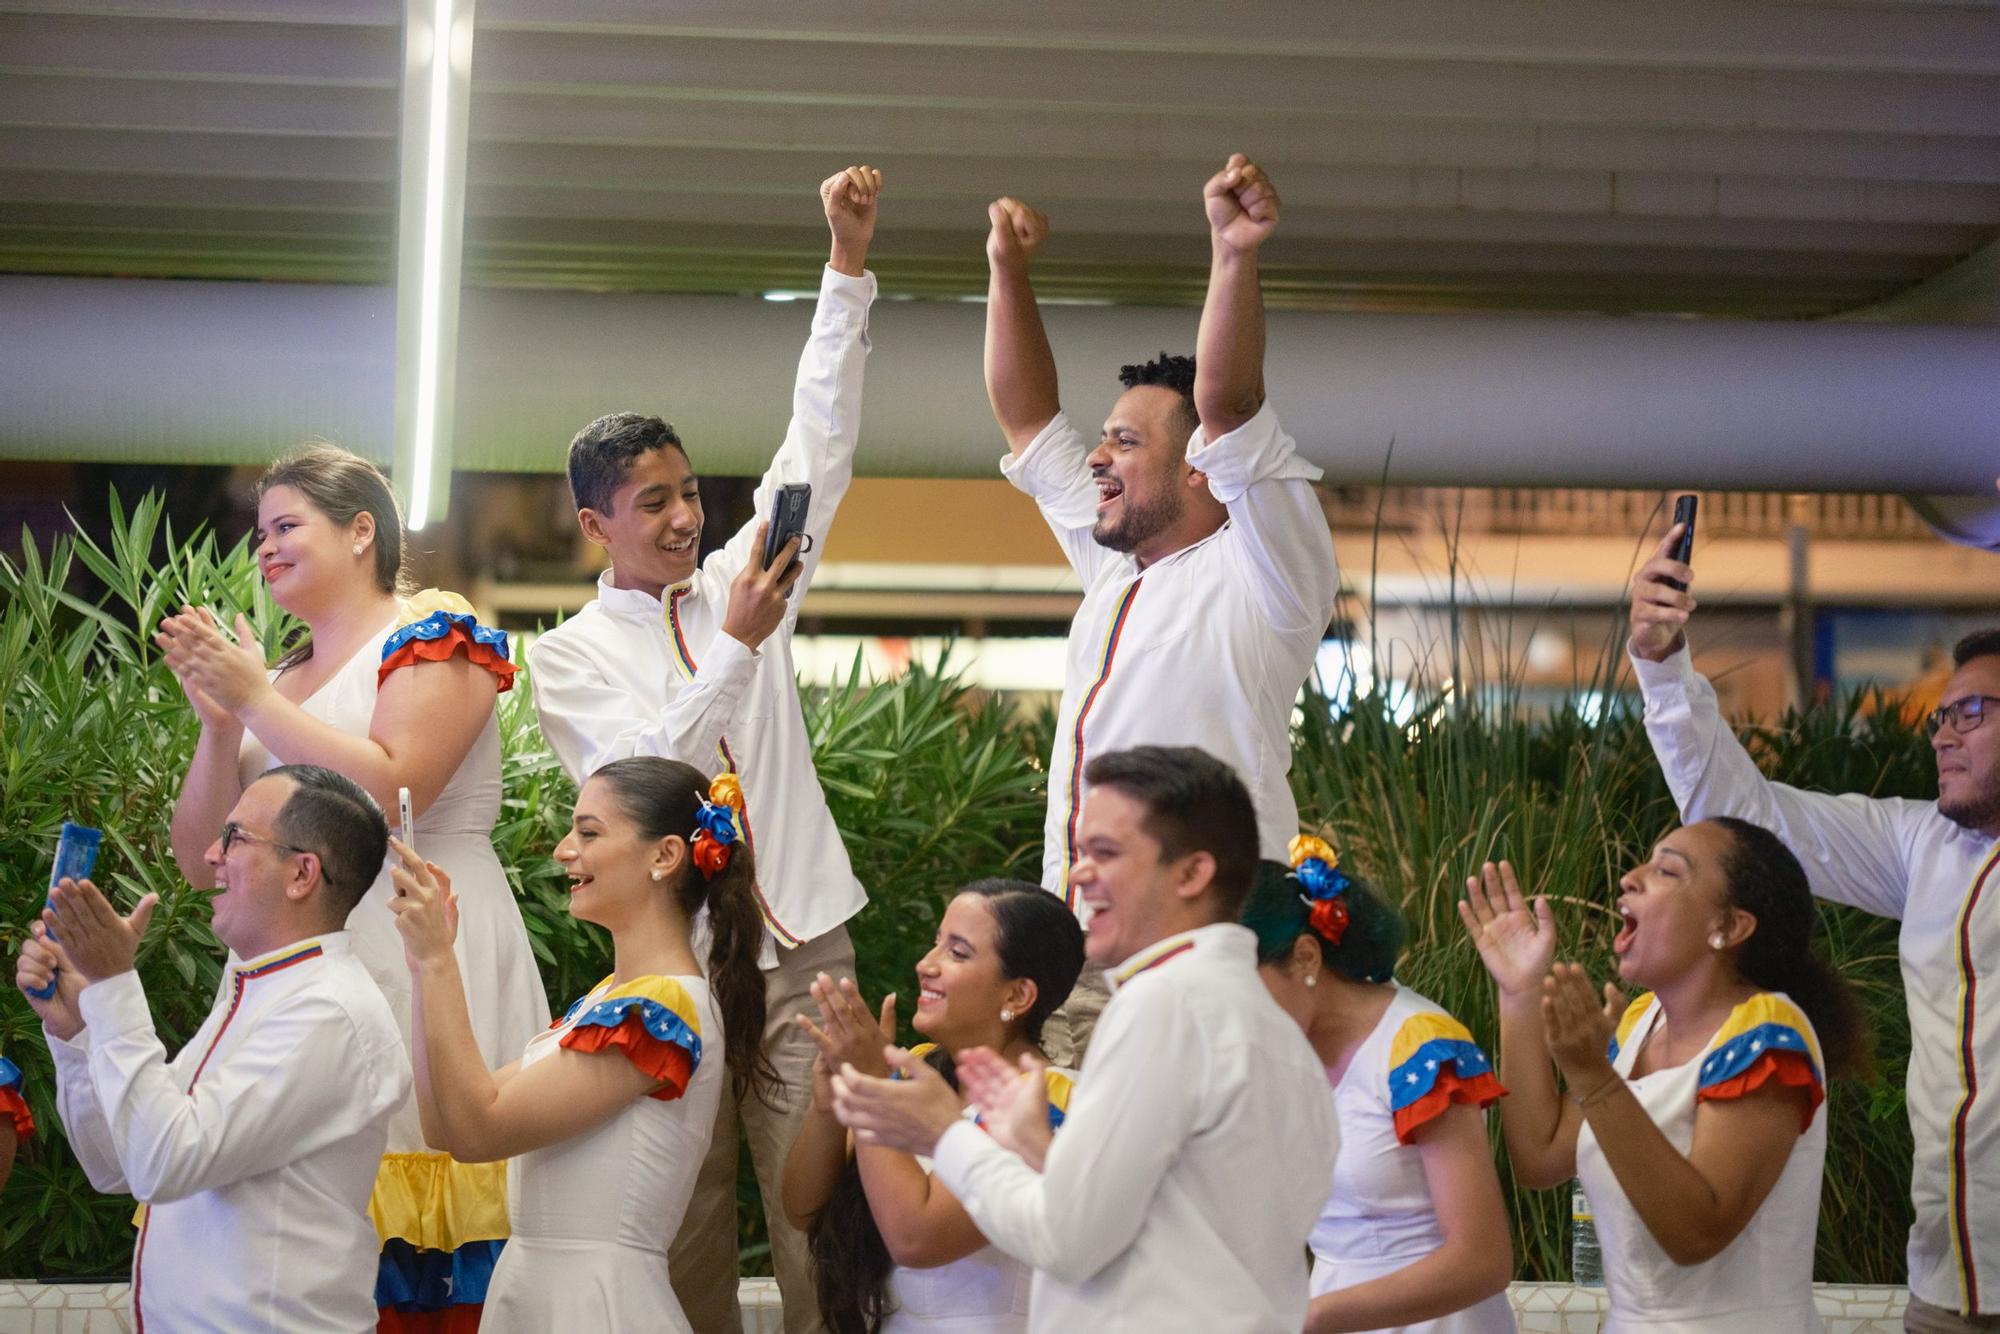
(76, 854)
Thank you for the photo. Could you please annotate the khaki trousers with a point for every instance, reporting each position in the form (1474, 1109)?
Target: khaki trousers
(1066, 1034)
(702, 1260)
(1920, 1317)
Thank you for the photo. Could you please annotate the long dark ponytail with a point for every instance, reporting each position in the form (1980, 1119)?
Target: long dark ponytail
(1766, 881)
(1036, 937)
(662, 797)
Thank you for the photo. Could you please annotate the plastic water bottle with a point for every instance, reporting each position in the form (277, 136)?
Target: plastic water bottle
(1586, 1264)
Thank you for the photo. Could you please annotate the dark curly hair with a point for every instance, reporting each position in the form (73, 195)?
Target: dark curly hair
(1167, 371)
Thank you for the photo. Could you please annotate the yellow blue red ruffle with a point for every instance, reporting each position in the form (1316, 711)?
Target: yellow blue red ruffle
(652, 1020)
(13, 1107)
(436, 1203)
(1626, 1023)
(1060, 1084)
(437, 626)
(1434, 1063)
(1767, 1038)
(442, 1224)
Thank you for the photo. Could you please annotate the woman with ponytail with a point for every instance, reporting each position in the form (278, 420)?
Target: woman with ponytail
(1692, 1112)
(607, 1115)
(1414, 1235)
(892, 1250)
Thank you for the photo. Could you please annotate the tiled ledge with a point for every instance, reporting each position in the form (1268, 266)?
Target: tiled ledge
(1541, 1308)
(1563, 1308)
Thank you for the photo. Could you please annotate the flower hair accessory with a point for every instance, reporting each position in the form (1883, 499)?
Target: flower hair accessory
(1316, 866)
(715, 829)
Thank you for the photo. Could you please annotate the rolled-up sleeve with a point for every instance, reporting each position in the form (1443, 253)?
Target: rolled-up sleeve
(1284, 543)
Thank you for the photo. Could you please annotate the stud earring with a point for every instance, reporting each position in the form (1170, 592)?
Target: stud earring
(1006, 1016)
(1715, 941)
(1312, 979)
(658, 874)
(357, 549)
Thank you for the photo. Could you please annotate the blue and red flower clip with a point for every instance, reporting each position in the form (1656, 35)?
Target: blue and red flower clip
(1316, 866)
(715, 826)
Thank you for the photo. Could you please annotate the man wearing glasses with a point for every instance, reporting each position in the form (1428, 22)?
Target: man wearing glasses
(1934, 866)
(255, 1147)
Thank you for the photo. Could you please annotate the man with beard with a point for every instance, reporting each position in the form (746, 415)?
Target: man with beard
(1206, 561)
(1934, 866)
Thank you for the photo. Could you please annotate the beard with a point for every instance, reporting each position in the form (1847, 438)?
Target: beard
(1138, 524)
(1979, 812)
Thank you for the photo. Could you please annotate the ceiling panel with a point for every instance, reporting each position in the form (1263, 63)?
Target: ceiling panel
(1715, 157)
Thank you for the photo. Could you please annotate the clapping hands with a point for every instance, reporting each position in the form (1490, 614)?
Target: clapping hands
(1516, 945)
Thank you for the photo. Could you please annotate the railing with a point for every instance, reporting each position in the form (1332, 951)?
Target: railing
(1592, 513)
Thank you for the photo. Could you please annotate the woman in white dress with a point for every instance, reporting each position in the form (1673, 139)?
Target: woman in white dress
(1414, 1235)
(606, 1116)
(893, 1251)
(1693, 1112)
(393, 691)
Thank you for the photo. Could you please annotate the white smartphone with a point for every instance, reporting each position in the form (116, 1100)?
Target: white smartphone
(403, 813)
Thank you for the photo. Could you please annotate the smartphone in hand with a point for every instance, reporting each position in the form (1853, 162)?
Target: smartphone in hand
(407, 821)
(1684, 509)
(788, 520)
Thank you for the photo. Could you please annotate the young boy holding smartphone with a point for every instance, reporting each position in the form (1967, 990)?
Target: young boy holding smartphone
(693, 662)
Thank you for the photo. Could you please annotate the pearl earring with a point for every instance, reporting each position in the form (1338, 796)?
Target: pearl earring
(357, 549)
(1312, 979)
(658, 874)
(1006, 1016)
(1715, 941)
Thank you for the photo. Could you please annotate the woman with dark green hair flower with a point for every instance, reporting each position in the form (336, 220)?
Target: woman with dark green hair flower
(1414, 1234)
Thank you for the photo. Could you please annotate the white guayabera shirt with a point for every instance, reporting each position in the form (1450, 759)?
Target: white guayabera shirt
(1207, 647)
(1902, 859)
(1190, 1167)
(255, 1148)
(632, 674)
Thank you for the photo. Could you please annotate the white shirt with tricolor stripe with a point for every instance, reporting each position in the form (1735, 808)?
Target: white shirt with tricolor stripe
(255, 1146)
(1207, 647)
(632, 674)
(1901, 859)
(1190, 1167)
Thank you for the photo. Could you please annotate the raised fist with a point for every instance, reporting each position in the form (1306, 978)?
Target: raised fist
(1242, 205)
(1018, 232)
(849, 198)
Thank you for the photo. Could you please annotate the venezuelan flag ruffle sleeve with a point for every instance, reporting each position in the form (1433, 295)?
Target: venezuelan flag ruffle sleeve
(438, 626)
(1061, 1084)
(13, 1107)
(1766, 1038)
(653, 1021)
(1627, 1024)
(1434, 1064)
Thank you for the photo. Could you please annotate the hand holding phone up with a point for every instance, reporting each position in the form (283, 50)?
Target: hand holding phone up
(759, 598)
(1661, 604)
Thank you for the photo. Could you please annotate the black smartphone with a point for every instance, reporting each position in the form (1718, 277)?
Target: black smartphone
(1684, 509)
(788, 520)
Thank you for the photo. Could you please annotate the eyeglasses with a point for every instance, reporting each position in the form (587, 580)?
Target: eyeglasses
(1963, 714)
(234, 833)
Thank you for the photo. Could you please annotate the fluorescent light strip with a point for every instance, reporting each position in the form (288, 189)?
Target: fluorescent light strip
(432, 277)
